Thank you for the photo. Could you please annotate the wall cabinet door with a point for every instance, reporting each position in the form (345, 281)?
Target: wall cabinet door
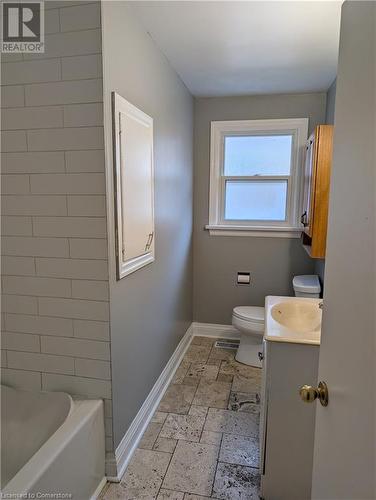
(316, 190)
(306, 217)
(134, 186)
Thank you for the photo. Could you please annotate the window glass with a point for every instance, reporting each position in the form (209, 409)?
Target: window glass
(255, 200)
(257, 155)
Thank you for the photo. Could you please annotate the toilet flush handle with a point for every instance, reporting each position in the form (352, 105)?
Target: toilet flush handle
(260, 356)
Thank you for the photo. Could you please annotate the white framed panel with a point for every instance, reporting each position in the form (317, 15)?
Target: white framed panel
(134, 186)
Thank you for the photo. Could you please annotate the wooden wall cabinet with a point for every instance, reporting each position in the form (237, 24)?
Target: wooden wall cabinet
(316, 190)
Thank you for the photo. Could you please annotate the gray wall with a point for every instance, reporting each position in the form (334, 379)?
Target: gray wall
(330, 103)
(329, 119)
(55, 333)
(345, 430)
(272, 261)
(152, 308)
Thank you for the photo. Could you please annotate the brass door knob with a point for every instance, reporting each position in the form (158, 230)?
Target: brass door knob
(309, 393)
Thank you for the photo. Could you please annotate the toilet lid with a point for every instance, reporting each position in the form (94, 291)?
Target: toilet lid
(250, 313)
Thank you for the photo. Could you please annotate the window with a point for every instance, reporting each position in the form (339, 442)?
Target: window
(255, 181)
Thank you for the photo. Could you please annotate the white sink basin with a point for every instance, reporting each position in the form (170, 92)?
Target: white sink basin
(293, 319)
(297, 315)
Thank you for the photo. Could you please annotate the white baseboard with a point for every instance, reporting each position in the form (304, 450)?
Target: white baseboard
(99, 488)
(213, 330)
(116, 466)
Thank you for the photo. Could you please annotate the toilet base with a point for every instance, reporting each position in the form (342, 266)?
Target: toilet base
(248, 350)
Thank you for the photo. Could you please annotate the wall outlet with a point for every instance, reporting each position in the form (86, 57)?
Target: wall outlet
(244, 278)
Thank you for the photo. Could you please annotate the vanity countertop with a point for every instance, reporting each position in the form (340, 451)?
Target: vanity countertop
(302, 320)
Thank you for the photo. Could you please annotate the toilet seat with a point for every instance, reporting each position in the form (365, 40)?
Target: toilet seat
(253, 314)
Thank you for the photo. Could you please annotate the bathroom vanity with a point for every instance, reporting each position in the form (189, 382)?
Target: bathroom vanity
(291, 354)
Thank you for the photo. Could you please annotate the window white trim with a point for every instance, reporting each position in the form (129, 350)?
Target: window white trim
(298, 127)
(264, 232)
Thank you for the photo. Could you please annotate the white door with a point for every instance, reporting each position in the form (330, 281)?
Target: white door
(344, 461)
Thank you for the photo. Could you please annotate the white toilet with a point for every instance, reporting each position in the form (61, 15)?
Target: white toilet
(249, 320)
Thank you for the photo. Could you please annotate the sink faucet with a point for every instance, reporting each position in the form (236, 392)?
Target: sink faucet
(321, 305)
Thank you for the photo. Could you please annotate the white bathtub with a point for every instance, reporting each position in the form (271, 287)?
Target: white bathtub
(51, 445)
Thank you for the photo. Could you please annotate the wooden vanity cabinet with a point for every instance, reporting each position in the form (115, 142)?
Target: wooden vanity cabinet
(316, 190)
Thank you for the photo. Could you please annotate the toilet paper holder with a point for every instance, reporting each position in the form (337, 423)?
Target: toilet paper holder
(243, 278)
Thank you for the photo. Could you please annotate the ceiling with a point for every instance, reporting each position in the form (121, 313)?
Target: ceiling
(246, 47)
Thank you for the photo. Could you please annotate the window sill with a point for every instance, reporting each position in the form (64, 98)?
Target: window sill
(263, 232)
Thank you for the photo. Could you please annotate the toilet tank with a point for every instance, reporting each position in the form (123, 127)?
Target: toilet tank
(307, 285)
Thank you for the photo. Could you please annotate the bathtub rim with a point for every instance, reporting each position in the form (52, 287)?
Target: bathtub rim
(80, 412)
(34, 395)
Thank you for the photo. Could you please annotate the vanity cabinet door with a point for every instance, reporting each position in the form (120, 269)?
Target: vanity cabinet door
(263, 407)
(288, 423)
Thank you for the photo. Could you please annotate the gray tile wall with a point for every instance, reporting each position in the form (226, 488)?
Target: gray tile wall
(55, 324)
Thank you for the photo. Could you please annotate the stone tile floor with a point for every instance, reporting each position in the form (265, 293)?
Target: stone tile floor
(203, 440)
